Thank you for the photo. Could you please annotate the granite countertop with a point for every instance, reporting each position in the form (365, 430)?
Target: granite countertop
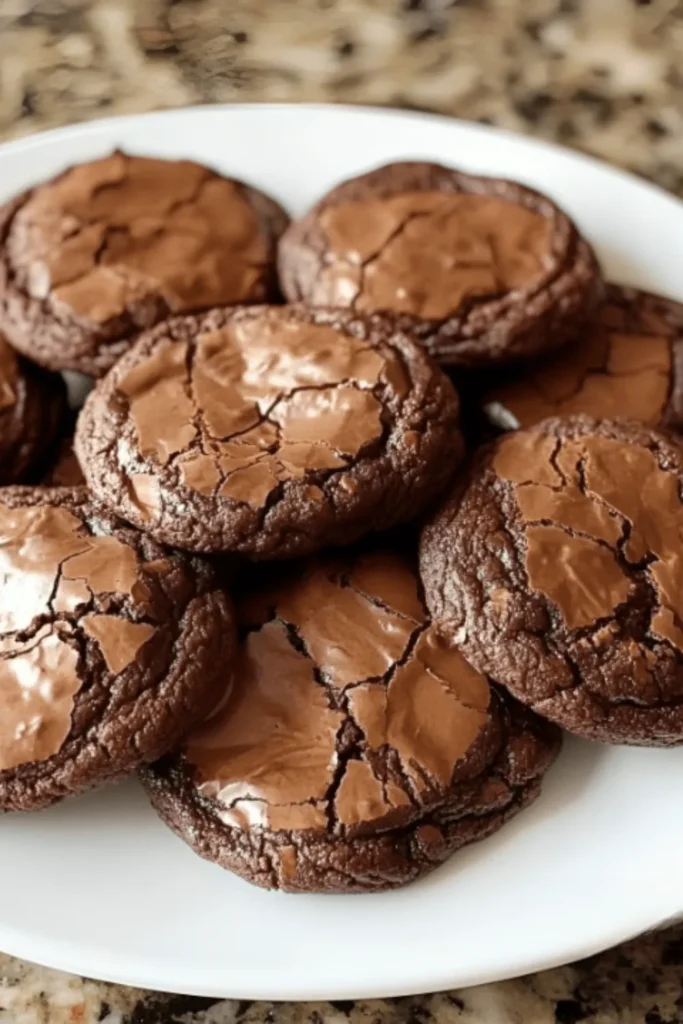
(605, 76)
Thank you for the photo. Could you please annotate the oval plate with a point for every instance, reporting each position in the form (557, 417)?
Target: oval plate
(98, 886)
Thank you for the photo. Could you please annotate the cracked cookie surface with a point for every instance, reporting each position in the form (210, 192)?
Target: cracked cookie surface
(32, 410)
(111, 646)
(482, 270)
(557, 569)
(356, 750)
(270, 431)
(111, 247)
(627, 362)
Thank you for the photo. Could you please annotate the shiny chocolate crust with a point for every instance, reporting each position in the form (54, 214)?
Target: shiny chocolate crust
(270, 431)
(628, 361)
(111, 646)
(111, 247)
(482, 270)
(355, 749)
(557, 569)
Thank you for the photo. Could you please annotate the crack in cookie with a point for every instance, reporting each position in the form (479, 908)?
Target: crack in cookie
(270, 429)
(95, 623)
(329, 659)
(481, 270)
(426, 253)
(265, 402)
(582, 571)
(622, 365)
(569, 586)
(356, 750)
(115, 245)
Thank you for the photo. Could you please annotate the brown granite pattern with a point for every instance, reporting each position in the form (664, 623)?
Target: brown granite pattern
(638, 983)
(601, 75)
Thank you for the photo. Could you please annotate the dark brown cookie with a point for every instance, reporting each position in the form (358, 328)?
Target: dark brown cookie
(355, 751)
(483, 270)
(270, 431)
(32, 407)
(558, 570)
(109, 248)
(111, 646)
(627, 362)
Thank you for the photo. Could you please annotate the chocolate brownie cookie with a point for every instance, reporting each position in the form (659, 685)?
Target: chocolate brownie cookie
(111, 247)
(32, 406)
(484, 270)
(557, 569)
(627, 362)
(270, 431)
(111, 646)
(355, 751)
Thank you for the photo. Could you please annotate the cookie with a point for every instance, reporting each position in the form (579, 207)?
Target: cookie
(355, 750)
(32, 406)
(483, 270)
(627, 362)
(557, 569)
(111, 646)
(111, 247)
(270, 431)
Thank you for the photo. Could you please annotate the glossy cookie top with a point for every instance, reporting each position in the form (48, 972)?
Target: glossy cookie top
(355, 750)
(484, 270)
(97, 623)
(558, 569)
(108, 248)
(626, 362)
(271, 431)
(347, 711)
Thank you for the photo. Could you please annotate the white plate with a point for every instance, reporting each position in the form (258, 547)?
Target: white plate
(98, 886)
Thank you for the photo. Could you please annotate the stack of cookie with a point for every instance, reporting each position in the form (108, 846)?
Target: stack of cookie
(413, 621)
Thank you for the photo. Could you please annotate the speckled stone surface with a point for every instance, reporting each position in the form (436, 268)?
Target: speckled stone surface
(605, 76)
(602, 75)
(639, 983)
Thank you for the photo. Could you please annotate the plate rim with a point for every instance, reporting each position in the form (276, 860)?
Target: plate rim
(59, 956)
(36, 139)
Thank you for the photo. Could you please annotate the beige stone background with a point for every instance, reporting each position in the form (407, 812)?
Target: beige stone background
(603, 75)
